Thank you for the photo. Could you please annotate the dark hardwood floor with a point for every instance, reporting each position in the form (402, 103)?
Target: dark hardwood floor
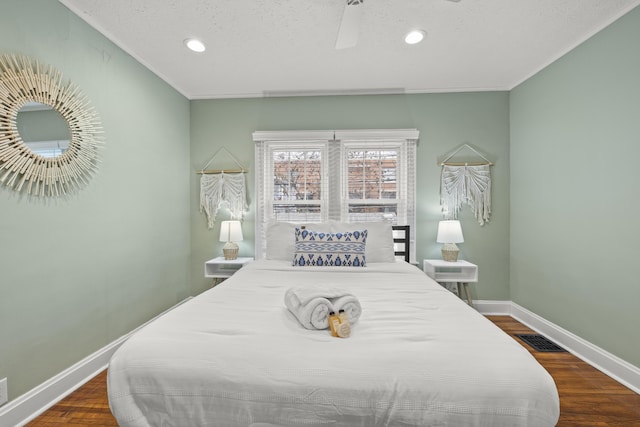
(588, 398)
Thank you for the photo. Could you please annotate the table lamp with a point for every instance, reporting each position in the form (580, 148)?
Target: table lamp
(449, 233)
(230, 232)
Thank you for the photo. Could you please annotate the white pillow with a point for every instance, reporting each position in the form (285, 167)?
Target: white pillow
(380, 247)
(281, 238)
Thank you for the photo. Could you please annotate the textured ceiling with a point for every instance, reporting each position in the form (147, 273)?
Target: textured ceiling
(287, 47)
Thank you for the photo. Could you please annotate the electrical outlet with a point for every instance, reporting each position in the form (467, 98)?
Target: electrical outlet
(4, 394)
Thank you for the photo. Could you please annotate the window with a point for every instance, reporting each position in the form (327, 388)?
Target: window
(371, 181)
(296, 174)
(48, 149)
(349, 176)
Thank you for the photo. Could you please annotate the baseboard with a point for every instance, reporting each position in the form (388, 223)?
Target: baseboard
(620, 370)
(25, 408)
(495, 308)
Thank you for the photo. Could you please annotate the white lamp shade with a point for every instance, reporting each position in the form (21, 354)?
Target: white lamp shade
(449, 231)
(230, 231)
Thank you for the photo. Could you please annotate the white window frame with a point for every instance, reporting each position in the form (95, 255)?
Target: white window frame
(401, 198)
(48, 149)
(320, 146)
(334, 145)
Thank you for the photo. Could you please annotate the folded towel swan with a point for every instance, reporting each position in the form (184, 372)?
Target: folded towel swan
(350, 305)
(311, 305)
(311, 312)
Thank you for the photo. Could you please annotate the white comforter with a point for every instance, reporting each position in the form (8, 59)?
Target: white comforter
(418, 356)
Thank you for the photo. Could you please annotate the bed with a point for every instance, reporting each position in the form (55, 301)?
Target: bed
(417, 356)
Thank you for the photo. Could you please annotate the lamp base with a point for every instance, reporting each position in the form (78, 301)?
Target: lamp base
(230, 250)
(450, 252)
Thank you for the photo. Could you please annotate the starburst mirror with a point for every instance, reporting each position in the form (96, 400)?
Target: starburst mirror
(49, 133)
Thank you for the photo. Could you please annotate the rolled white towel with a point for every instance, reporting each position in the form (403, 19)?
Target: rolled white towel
(350, 304)
(311, 312)
(306, 293)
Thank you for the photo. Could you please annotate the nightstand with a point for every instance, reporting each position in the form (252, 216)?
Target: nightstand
(459, 272)
(219, 268)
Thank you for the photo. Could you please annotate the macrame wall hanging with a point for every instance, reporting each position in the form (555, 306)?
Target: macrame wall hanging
(466, 183)
(223, 188)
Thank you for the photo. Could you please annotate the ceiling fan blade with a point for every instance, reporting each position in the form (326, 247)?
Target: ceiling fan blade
(350, 25)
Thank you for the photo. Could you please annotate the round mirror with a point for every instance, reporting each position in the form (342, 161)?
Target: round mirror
(43, 129)
(49, 134)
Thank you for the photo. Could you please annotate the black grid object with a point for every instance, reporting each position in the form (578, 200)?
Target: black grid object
(405, 240)
(540, 343)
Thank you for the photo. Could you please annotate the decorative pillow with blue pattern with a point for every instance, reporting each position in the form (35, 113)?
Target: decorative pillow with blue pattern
(321, 249)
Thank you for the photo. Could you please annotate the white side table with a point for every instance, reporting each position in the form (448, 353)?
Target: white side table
(460, 272)
(219, 268)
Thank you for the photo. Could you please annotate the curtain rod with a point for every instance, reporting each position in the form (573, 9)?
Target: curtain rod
(466, 163)
(218, 171)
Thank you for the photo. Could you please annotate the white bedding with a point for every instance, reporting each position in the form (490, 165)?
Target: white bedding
(418, 356)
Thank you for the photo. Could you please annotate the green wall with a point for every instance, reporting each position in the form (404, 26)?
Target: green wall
(81, 271)
(445, 121)
(575, 145)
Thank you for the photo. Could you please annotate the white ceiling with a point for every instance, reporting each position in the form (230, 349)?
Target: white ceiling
(287, 47)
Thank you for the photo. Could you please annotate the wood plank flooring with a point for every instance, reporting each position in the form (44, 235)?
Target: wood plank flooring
(588, 398)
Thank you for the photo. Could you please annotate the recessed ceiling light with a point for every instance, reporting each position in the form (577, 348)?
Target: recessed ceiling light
(195, 45)
(414, 36)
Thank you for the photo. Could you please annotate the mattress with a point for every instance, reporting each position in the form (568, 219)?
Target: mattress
(417, 356)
